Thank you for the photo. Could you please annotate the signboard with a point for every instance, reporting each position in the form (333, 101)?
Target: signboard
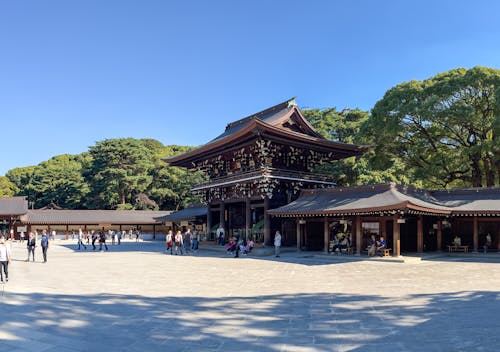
(168, 223)
(184, 223)
(22, 228)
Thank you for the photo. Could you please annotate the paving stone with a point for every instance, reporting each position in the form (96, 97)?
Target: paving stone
(134, 298)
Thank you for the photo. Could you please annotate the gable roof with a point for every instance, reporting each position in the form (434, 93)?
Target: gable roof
(94, 217)
(13, 206)
(283, 121)
(390, 198)
(189, 213)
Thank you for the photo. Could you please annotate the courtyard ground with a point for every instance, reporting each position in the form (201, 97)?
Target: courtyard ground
(136, 298)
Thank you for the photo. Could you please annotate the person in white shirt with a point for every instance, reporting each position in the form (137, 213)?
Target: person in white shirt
(277, 243)
(5, 257)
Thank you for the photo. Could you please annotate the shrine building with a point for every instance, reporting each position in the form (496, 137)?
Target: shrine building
(259, 163)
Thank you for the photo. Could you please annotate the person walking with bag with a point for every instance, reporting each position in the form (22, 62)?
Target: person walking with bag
(277, 244)
(5, 257)
(31, 246)
(44, 242)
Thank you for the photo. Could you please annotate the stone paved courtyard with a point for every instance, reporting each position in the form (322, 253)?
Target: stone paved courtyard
(134, 298)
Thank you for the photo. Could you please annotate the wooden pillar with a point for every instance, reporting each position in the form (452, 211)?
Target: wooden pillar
(299, 235)
(396, 246)
(326, 234)
(209, 222)
(248, 217)
(267, 223)
(222, 216)
(357, 224)
(476, 234)
(439, 235)
(420, 234)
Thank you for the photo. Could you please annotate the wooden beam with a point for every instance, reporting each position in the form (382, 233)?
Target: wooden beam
(476, 234)
(396, 241)
(267, 223)
(420, 234)
(299, 234)
(326, 234)
(357, 225)
(439, 235)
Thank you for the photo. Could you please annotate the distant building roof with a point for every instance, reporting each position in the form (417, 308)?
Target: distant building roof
(13, 206)
(189, 213)
(82, 217)
(391, 198)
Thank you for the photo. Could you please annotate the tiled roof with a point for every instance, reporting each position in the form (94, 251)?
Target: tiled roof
(81, 217)
(269, 122)
(186, 214)
(390, 197)
(13, 206)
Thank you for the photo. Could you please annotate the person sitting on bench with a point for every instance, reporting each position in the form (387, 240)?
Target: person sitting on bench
(457, 241)
(381, 246)
(372, 246)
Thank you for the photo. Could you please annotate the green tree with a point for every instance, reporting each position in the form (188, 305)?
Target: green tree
(343, 126)
(119, 171)
(443, 130)
(59, 181)
(7, 188)
(21, 177)
(171, 185)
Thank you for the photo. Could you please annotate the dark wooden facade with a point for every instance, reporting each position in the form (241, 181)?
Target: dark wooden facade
(410, 219)
(260, 163)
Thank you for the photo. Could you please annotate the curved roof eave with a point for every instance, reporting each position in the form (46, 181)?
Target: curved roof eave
(257, 126)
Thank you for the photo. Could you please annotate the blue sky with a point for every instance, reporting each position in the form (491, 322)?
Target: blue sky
(76, 72)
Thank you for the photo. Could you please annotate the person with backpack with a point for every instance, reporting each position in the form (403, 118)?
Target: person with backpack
(102, 240)
(80, 239)
(170, 242)
(187, 240)
(5, 257)
(31, 246)
(94, 238)
(44, 242)
(178, 242)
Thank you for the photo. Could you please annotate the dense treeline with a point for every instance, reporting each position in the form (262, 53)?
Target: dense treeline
(441, 132)
(114, 174)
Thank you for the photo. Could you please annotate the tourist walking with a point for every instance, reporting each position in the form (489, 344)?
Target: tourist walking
(169, 240)
(220, 236)
(94, 238)
(137, 235)
(178, 242)
(277, 244)
(195, 243)
(80, 239)
(187, 240)
(44, 243)
(102, 241)
(31, 246)
(5, 257)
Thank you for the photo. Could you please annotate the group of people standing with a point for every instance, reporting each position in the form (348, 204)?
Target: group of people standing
(182, 243)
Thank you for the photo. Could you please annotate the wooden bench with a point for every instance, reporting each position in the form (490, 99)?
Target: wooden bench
(386, 252)
(454, 248)
(348, 250)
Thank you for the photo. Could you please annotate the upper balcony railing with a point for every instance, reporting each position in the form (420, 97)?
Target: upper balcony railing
(265, 171)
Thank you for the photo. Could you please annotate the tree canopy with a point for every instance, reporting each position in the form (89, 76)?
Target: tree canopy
(443, 130)
(122, 173)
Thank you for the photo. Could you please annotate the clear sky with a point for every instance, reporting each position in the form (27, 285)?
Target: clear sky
(76, 72)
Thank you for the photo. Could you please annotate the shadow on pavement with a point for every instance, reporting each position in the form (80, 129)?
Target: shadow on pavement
(457, 321)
